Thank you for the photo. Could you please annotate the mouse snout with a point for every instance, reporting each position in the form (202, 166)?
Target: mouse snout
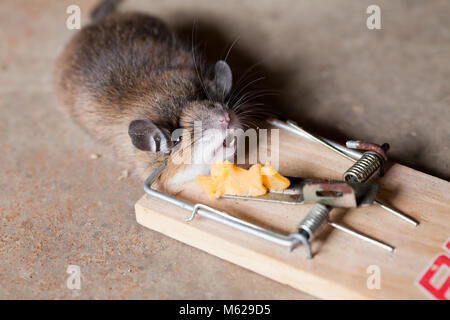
(224, 119)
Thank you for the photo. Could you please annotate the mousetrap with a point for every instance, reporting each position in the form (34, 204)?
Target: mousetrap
(269, 235)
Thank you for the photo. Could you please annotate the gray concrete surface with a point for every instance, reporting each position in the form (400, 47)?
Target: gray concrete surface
(59, 207)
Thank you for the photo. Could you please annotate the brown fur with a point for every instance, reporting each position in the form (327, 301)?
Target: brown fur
(127, 66)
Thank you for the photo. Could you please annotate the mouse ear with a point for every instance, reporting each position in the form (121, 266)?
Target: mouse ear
(223, 79)
(147, 136)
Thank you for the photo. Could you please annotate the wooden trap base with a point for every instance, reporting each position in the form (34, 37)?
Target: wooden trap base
(339, 269)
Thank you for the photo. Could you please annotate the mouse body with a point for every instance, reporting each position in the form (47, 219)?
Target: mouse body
(129, 82)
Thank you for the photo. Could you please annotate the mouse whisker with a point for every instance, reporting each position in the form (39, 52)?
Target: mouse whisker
(246, 74)
(195, 64)
(257, 91)
(254, 95)
(247, 85)
(231, 47)
(245, 107)
(249, 124)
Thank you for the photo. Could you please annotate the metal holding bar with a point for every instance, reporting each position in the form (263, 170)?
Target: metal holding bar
(347, 153)
(290, 241)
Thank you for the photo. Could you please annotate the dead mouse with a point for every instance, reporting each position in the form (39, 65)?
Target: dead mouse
(129, 82)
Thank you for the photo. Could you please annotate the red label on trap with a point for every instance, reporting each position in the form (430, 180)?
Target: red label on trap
(436, 279)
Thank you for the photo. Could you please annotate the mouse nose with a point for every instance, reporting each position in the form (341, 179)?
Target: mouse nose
(224, 118)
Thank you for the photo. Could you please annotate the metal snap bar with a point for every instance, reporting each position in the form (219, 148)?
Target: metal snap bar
(290, 241)
(307, 227)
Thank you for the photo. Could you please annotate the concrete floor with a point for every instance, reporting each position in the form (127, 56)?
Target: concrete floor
(59, 207)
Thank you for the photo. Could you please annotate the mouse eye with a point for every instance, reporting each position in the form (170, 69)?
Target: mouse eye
(178, 140)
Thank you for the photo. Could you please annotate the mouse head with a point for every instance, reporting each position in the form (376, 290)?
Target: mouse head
(208, 125)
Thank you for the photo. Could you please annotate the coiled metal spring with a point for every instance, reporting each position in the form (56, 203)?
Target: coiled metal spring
(313, 220)
(319, 215)
(364, 168)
